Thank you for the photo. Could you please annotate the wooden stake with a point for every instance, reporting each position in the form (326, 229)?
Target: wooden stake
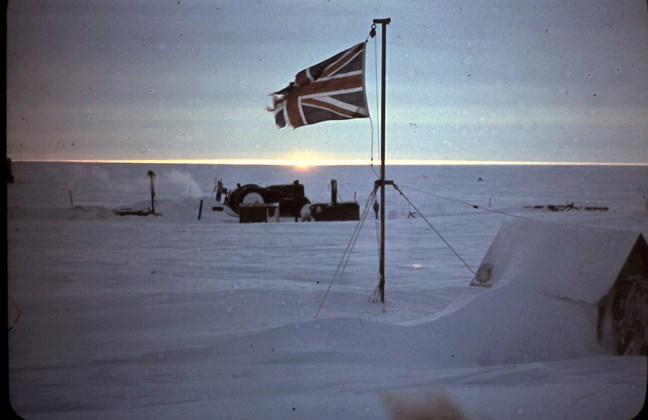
(152, 175)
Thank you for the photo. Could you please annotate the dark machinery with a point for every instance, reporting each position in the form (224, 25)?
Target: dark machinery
(291, 197)
(335, 210)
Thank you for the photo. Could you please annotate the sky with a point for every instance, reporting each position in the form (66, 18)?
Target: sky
(184, 80)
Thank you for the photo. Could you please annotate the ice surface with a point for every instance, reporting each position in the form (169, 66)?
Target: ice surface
(174, 317)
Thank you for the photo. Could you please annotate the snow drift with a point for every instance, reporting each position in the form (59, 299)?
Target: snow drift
(173, 317)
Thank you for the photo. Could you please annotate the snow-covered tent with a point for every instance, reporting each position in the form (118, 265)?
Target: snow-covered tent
(599, 266)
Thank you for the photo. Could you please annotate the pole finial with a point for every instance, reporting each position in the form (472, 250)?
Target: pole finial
(385, 21)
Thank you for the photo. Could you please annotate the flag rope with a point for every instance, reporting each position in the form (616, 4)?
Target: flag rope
(372, 34)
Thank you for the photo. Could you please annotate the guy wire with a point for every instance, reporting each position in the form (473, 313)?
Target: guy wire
(347, 252)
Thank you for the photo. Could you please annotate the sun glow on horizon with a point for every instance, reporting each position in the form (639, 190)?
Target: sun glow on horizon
(305, 163)
(303, 160)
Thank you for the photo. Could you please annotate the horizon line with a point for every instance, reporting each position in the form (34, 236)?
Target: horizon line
(330, 162)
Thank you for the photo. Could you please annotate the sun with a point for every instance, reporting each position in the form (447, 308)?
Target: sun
(303, 160)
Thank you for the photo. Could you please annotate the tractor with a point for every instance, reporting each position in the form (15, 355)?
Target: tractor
(290, 197)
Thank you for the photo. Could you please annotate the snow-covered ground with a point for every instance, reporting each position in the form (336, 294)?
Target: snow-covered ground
(173, 317)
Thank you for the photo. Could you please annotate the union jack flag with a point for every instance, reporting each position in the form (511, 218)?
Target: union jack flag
(330, 90)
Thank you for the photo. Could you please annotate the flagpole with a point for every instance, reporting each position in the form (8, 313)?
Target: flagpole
(381, 270)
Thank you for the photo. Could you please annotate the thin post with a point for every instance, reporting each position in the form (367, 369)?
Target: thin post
(381, 270)
(152, 176)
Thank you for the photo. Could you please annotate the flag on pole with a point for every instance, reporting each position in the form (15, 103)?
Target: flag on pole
(331, 90)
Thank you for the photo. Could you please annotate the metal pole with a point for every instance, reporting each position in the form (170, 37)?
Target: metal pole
(381, 270)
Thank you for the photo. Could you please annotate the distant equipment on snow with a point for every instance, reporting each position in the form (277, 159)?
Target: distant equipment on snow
(335, 211)
(290, 197)
(254, 203)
